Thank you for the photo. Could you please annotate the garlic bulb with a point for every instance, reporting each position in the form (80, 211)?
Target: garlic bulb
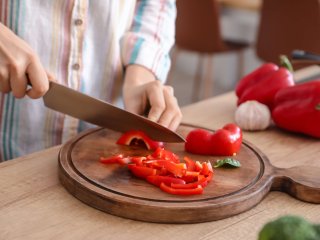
(252, 115)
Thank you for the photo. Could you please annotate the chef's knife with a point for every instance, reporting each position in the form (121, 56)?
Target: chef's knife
(97, 112)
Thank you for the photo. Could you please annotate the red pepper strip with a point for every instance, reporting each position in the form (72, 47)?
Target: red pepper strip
(139, 161)
(297, 108)
(206, 168)
(141, 171)
(224, 142)
(210, 176)
(190, 163)
(161, 153)
(189, 178)
(138, 138)
(179, 191)
(177, 169)
(192, 173)
(198, 166)
(157, 180)
(120, 159)
(203, 182)
(112, 159)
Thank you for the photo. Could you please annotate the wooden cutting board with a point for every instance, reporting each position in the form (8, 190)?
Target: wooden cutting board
(113, 189)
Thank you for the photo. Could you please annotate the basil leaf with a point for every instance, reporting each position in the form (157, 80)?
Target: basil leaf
(227, 162)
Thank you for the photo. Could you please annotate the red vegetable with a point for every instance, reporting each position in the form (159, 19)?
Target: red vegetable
(116, 159)
(181, 191)
(163, 169)
(297, 108)
(157, 180)
(253, 77)
(138, 138)
(142, 171)
(225, 141)
(263, 83)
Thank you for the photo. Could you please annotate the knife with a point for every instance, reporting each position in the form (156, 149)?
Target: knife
(97, 112)
(304, 55)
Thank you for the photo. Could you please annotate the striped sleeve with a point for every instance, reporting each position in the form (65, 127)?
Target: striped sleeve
(151, 36)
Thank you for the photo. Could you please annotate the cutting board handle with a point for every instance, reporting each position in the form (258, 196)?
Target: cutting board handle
(301, 182)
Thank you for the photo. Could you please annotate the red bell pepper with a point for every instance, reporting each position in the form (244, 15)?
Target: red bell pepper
(116, 159)
(224, 142)
(142, 171)
(297, 108)
(138, 138)
(163, 168)
(181, 191)
(253, 77)
(161, 153)
(263, 83)
(157, 180)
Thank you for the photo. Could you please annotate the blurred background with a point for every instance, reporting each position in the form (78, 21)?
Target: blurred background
(220, 41)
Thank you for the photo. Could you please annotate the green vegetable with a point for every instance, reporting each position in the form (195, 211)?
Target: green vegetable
(289, 228)
(227, 162)
(317, 228)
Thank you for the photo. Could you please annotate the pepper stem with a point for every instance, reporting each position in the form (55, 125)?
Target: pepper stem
(318, 107)
(285, 62)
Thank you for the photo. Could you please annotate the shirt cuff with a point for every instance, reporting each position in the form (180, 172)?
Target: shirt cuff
(137, 50)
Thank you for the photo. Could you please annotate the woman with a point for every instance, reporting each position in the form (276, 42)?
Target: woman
(108, 49)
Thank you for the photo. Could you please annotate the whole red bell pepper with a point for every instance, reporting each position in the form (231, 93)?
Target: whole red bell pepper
(138, 138)
(297, 108)
(263, 83)
(224, 142)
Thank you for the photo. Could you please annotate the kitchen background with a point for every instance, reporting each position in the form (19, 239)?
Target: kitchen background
(236, 23)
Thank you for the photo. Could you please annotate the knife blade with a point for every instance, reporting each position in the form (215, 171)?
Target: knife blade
(79, 105)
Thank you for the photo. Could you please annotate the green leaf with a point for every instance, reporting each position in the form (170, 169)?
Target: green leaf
(227, 162)
(318, 106)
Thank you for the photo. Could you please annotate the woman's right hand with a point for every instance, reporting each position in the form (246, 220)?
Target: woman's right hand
(20, 66)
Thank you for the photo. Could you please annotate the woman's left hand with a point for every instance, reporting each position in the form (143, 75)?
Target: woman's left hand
(142, 91)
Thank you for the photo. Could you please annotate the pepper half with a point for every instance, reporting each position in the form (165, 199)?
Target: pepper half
(138, 138)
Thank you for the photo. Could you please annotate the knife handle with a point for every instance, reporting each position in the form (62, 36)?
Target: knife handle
(304, 55)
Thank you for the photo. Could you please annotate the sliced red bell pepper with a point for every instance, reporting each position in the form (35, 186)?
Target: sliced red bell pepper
(263, 83)
(157, 180)
(203, 182)
(141, 171)
(116, 159)
(161, 153)
(190, 163)
(225, 141)
(206, 168)
(138, 138)
(181, 191)
(297, 108)
(177, 169)
(163, 168)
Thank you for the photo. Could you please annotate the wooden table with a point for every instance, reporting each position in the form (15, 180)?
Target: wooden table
(34, 205)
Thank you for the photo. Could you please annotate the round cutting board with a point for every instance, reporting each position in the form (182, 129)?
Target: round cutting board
(113, 189)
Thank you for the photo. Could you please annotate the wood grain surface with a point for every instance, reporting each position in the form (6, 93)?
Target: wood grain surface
(34, 205)
(113, 189)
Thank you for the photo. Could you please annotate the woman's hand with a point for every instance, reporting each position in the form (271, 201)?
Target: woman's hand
(141, 90)
(19, 65)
